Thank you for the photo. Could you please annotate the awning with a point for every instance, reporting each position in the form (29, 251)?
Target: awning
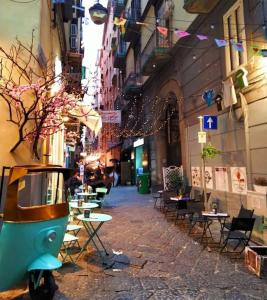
(88, 116)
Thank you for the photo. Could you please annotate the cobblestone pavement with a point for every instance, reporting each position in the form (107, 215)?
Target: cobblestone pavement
(158, 261)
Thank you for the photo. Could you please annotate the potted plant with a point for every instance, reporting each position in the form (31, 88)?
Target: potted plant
(175, 182)
(209, 151)
(260, 185)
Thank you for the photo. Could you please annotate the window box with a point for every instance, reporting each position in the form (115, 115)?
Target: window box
(256, 260)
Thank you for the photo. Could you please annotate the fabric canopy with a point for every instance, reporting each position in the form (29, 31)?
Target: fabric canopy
(88, 116)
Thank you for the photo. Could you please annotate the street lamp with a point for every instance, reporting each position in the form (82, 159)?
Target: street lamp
(98, 13)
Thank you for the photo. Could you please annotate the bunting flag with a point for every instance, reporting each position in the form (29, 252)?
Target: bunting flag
(181, 33)
(237, 46)
(220, 43)
(208, 96)
(119, 21)
(202, 37)
(256, 51)
(163, 30)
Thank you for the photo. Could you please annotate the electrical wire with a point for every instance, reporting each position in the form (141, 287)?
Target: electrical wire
(23, 2)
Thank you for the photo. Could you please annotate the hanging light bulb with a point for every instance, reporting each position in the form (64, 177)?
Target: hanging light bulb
(98, 13)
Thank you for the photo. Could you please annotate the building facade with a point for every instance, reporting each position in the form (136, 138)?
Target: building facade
(200, 58)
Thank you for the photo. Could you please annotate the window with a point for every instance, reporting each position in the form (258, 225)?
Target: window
(73, 42)
(234, 28)
(73, 29)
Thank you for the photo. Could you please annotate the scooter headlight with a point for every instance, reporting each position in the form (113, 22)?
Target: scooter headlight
(51, 236)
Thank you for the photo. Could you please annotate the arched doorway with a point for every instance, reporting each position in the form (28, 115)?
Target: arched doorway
(172, 132)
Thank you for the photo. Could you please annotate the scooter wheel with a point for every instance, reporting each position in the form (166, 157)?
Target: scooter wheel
(46, 288)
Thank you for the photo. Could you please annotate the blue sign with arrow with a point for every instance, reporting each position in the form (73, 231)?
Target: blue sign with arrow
(210, 122)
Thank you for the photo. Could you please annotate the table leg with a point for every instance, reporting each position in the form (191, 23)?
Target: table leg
(101, 243)
(91, 235)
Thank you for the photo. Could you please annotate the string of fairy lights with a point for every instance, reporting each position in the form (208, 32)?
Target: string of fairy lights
(145, 118)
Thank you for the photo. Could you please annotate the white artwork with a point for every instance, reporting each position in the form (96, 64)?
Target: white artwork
(239, 180)
(196, 176)
(221, 179)
(209, 178)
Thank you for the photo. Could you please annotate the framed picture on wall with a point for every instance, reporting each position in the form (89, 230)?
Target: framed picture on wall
(239, 180)
(221, 179)
(209, 178)
(196, 176)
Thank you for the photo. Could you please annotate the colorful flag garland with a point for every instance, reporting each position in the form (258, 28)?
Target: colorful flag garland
(238, 46)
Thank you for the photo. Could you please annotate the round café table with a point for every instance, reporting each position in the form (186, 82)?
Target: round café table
(92, 230)
(87, 196)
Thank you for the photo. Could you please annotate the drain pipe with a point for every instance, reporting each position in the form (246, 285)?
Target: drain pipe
(244, 107)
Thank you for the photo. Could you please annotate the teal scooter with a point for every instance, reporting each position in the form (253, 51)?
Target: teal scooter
(31, 236)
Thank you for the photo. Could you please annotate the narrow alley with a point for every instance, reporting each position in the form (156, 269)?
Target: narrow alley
(158, 260)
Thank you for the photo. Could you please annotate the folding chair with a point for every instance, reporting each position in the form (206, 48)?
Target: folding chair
(101, 192)
(75, 229)
(243, 213)
(157, 191)
(68, 247)
(196, 213)
(240, 231)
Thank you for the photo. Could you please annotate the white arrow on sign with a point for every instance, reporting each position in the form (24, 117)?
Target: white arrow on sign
(210, 121)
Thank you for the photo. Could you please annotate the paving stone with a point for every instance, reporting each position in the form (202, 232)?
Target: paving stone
(153, 283)
(177, 267)
(121, 284)
(137, 262)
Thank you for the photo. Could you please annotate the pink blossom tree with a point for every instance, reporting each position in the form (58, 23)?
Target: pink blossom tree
(34, 95)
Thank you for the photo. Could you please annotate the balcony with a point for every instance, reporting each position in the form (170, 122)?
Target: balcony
(132, 85)
(120, 56)
(118, 8)
(199, 6)
(155, 54)
(132, 15)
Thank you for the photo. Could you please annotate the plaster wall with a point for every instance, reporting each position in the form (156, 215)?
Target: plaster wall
(16, 23)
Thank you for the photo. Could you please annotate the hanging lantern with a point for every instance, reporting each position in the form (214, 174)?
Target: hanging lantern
(98, 13)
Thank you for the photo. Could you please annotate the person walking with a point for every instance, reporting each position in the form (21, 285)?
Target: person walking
(74, 182)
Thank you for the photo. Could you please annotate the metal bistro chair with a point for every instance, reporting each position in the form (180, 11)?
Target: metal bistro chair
(240, 231)
(168, 205)
(68, 247)
(196, 216)
(101, 192)
(243, 213)
(157, 191)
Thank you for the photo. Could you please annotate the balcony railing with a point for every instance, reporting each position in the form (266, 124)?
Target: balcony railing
(132, 85)
(132, 15)
(155, 54)
(118, 7)
(199, 6)
(120, 55)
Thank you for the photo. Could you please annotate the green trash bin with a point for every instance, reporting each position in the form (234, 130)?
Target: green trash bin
(143, 183)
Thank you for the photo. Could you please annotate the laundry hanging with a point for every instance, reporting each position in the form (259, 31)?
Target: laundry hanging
(229, 95)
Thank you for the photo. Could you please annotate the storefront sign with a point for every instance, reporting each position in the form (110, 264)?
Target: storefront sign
(111, 116)
(138, 142)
